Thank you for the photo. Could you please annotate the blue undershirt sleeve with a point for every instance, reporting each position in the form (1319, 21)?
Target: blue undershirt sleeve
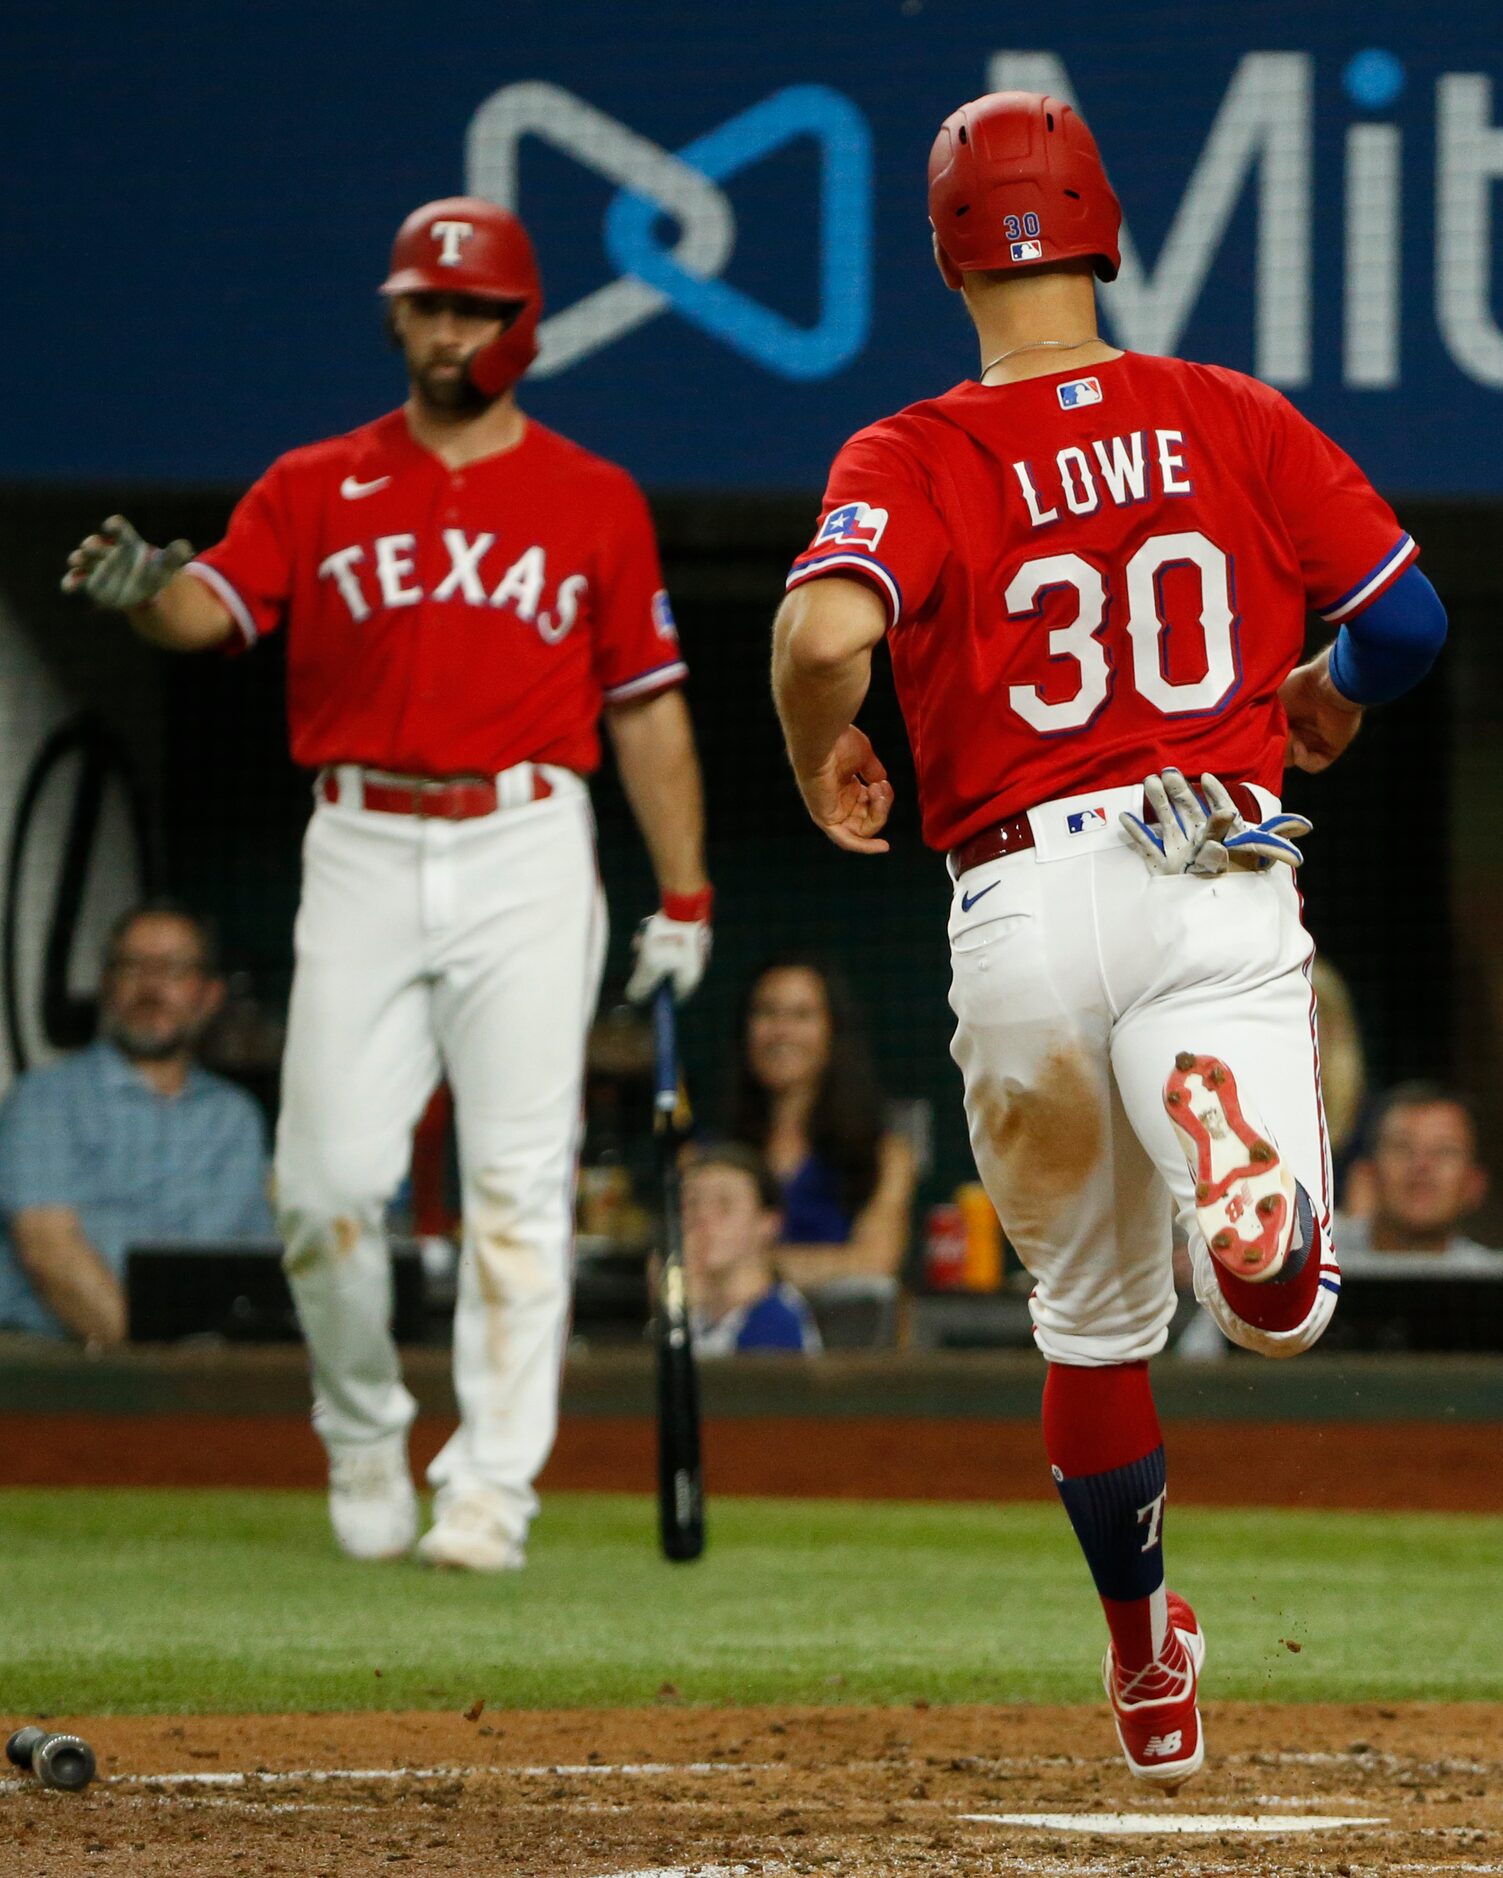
(1385, 650)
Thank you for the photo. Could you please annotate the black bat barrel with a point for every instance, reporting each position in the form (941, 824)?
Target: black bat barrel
(681, 1496)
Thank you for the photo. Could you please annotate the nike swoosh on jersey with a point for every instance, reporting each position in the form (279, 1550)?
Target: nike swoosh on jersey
(968, 900)
(352, 489)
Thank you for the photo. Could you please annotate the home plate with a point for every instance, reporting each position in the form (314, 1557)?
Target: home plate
(1125, 1824)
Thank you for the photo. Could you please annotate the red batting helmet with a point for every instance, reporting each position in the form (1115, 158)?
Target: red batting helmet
(464, 244)
(1016, 180)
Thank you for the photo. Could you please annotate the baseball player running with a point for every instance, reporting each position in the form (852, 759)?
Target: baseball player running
(463, 591)
(1093, 568)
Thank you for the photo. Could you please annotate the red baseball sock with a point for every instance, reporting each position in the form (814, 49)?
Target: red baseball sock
(1101, 1433)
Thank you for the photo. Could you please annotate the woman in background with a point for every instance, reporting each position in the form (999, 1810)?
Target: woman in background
(804, 1092)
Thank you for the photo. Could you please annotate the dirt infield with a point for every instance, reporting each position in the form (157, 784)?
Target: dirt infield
(849, 1793)
(1425, 1466)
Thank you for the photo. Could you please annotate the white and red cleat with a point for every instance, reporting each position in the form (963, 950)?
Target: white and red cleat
(1244, 1194)
(372, 1503)
(1155, 1711)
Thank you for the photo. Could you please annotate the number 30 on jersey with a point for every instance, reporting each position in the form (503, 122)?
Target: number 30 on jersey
(1146, 627)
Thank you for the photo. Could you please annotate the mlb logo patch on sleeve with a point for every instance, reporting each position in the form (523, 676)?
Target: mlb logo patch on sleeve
(1028, 251)
(662, 616)
(852, 525)
(1083, 819)
(1079, 391)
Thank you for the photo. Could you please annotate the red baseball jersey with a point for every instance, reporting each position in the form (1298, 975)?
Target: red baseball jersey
(1093, 574)
(449, 622)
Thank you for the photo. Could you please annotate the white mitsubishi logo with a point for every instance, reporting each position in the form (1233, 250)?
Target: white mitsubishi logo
(453, 235)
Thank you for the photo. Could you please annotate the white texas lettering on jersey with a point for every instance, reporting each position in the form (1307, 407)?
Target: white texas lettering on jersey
(1130, 468)
(392, 562)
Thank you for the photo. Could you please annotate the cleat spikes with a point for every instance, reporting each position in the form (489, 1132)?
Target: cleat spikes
(1244, 1193)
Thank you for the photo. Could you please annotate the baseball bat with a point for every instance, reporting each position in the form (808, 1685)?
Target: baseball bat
(681, 1492)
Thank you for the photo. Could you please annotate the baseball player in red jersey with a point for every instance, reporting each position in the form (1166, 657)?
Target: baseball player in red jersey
(1094, 568)
(463, 592)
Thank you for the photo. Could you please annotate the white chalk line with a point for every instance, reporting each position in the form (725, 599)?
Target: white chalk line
(1126, 1825)
(586, 1769)
(666, 1769)
(1448, 1865)
(1373, 1758)
(1074, 1865)
(1309, 1799)
(691, 1871)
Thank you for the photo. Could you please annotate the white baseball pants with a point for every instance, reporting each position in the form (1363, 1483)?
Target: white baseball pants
(473, 950)
(1076, 977)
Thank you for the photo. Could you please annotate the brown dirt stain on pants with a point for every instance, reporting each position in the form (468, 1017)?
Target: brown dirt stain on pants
(1041, 1144)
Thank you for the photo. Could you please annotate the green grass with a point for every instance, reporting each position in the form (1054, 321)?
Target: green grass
(135, 1602)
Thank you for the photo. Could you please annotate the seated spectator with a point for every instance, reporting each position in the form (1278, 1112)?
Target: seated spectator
(1421, 1180)
(732, 1219)
(126, 1141)
(804, 1094)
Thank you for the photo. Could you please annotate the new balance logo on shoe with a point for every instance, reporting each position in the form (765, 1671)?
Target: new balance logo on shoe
(1164, 1745)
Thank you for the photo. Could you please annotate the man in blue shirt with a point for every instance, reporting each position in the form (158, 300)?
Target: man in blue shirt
(732, 1220)
(126, 1141)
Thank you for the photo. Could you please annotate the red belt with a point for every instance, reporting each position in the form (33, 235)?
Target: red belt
(453, 799)
(991, 844)
(1012, 837)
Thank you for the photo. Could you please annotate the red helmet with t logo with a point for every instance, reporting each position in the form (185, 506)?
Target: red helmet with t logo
(465, 245)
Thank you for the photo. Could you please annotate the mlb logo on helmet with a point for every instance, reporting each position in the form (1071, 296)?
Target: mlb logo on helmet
(1082, 820)
(1028, 251)
(1079, 391)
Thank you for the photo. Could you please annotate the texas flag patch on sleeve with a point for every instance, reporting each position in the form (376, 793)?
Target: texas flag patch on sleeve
(852, 525)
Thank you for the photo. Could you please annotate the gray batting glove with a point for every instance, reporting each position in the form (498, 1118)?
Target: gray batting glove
(1208, 837)
(1187, 837)
(117, 569)
(673, 949)
(1255, 846)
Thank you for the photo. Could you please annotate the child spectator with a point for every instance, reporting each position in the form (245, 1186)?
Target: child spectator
(732, 1219)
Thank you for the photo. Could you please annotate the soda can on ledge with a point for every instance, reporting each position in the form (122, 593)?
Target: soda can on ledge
(944, 1248)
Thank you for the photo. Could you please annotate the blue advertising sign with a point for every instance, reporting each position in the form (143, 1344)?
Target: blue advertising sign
(729, 210)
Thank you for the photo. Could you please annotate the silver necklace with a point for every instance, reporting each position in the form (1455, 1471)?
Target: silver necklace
(1040, 345)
